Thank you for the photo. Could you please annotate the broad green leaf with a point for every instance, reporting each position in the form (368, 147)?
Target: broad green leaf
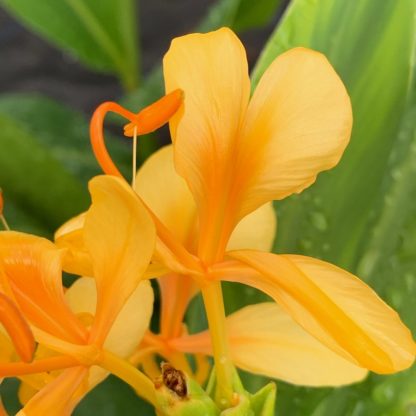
(100, 33)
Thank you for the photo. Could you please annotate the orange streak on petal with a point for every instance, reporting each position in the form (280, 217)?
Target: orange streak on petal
(17, 327)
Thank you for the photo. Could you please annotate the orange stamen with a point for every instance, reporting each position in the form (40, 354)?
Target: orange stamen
(39, 366)
(17, 327)
(146, 121)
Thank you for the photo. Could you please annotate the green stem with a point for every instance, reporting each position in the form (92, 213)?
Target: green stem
(214, 306)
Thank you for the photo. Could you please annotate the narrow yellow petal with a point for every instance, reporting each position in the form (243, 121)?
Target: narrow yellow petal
(212, 71)
(298, 124)
(332, 305)
(120, 237)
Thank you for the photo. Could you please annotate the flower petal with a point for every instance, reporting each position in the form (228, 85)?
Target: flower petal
(57, 397)
(120, 237)
(130, 324)
(167, 195)
(17, 328)
(69, 236)
(128, 328)
(332, 305)
(298, 124)
(265, 340)
(212, 71)
(255, 231)
(33, 270)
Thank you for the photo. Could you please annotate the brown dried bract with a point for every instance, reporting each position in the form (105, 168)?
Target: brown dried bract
(174, 379)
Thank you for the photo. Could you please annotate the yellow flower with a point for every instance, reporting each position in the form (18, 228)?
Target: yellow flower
(96, 321)
(235, 154)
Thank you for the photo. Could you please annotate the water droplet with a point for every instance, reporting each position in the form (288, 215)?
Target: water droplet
(223, 402)
(367, 263)
(319, 221)
(410, 281)
(396, 174)
(317, 200)
(388, 200)
(396, 298)
(305, 244)
(223, 360)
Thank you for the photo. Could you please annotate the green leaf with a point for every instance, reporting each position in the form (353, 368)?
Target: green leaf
(113, 398)
(100, 33)
(254, 14)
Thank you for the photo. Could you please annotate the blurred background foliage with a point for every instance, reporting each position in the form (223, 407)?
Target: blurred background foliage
(361, 215)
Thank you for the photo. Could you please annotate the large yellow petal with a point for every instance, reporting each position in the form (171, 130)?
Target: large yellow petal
(33, 270)
(120, 237)
(332, 305)
(298, 124)
(69, 236)
(212, 71)
(57, 398)
(265, 340)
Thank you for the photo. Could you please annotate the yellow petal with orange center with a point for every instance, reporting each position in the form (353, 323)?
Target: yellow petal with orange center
(212, 71)
(120, 237)
(332, 305)
(168, 196)
(32, 267)
(298, 124)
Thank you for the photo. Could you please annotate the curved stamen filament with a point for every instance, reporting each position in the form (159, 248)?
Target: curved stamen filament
(146, 121)
(17, 328)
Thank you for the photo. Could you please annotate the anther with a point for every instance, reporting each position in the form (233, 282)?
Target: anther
(155, 115)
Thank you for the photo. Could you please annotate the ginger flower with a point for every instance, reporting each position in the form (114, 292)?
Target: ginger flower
(96, 322)
(235, 154)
